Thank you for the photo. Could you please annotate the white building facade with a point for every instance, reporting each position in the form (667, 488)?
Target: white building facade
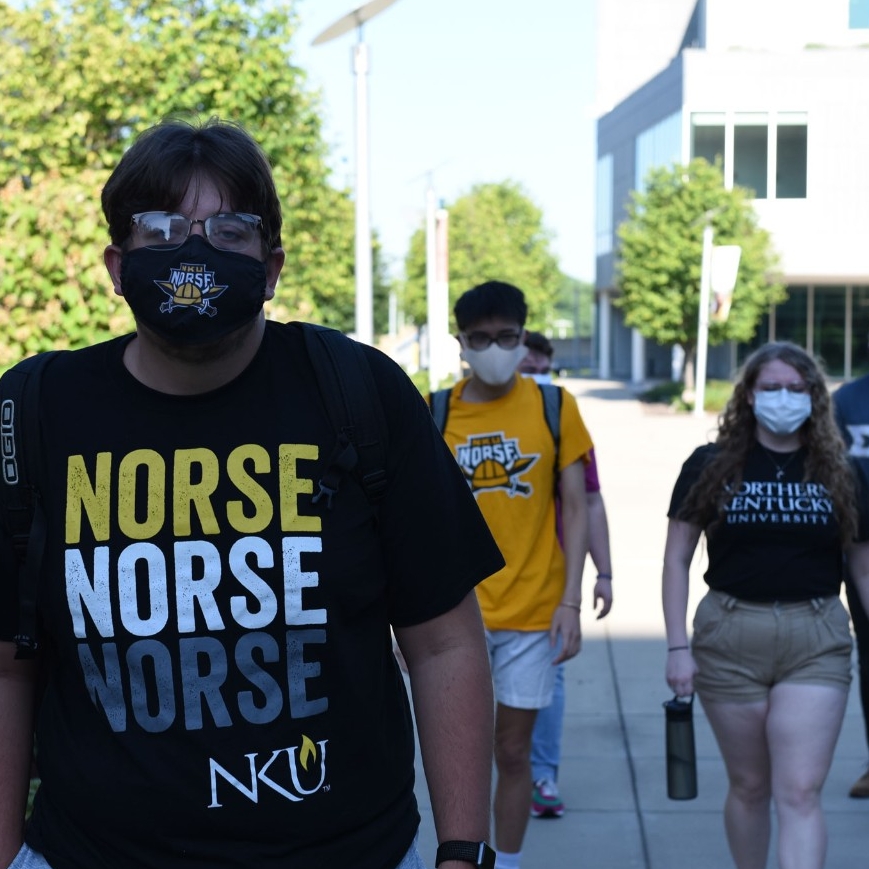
(779, 91)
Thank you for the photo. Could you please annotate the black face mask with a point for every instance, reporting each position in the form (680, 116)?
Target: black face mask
(193, 294)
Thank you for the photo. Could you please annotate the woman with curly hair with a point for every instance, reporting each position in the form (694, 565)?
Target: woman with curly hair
(770, 656)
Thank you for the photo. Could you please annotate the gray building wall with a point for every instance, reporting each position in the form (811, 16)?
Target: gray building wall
(794, 56)
(617, 133)
(635, 40)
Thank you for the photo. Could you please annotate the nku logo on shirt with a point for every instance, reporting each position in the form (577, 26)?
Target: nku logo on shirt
(295, 772)
(492, 461)
(191, 285)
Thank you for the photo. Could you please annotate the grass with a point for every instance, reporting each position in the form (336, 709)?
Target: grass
(672, 393)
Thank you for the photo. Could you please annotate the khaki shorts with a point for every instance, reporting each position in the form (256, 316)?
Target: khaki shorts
(742, 649)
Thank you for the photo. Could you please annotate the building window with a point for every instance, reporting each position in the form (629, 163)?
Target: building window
(751, 152)
(859, 331)
(767, 154)
(660, 145)
(858, 14)
(707, 136)
(604, 206)
(828, 328)
(791, 317)
(791, 146)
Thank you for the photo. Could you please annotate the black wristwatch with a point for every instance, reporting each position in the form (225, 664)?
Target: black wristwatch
(475, 853)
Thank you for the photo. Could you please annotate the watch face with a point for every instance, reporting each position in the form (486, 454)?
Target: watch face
(487, 857)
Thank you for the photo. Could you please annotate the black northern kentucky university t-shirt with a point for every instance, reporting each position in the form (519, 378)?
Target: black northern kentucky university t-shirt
(778, 537)
(222, 691)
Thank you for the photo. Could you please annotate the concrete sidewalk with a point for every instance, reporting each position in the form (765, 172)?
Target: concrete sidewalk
(612, 777)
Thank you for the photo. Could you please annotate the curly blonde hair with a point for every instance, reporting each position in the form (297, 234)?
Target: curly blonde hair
(826, 459)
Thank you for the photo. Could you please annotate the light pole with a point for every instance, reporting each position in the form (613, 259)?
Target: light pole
(703, 317)
(718, 270)
(437, 271)
(364, 277)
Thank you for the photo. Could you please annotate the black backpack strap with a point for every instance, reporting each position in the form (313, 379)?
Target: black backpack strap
(439, 403)
(350, 394)
(21, 508)
(552, 397)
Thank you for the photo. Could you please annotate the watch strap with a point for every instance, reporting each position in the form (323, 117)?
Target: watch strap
(476, 853)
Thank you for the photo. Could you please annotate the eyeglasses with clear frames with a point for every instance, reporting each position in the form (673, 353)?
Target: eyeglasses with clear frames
(165, 230)
(483, 340)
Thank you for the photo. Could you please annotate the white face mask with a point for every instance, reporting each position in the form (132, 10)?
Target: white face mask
(494, 365)
(782, 412)
(540, 378)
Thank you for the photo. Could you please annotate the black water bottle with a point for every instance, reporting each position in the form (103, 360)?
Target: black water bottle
(681, 753)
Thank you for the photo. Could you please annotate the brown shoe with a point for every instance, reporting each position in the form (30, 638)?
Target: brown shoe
(860, 788)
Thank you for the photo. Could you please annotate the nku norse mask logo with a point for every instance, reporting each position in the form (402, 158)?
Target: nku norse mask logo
(190, 285)
(189, 280)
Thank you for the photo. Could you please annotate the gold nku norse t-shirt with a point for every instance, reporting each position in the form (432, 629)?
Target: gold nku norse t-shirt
(507, 454)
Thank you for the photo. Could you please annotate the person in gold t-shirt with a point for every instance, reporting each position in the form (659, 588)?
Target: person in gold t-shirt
(497, 431)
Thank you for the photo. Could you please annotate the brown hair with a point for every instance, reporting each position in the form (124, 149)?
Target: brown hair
(539, 342)
(826, 459)
(157, 170)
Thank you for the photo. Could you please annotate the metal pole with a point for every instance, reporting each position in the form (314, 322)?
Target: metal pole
(430, 281)
(703, 319)
(364, 291)
(439, 322)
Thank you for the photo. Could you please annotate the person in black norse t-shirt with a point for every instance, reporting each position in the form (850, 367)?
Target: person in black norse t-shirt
(221, 688)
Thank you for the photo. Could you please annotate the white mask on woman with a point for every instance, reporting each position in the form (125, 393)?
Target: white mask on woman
(781, 411)
(494, 365)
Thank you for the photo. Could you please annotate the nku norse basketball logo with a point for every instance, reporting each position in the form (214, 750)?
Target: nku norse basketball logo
(492, 461)
(190, 286)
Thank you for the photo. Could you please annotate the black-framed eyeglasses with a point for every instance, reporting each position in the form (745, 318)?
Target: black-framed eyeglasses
(165, 230)
(482, 340)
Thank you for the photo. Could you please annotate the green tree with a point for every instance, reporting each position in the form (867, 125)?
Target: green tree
(79, 79)
(660, 254)
(495, 233)
(575, 303)
(383, 286)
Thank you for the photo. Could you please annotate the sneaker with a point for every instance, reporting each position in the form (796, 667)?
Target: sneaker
(860, 788)
(545, 802)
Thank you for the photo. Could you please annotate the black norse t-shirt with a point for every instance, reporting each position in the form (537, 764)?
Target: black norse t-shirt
(778, 538)
(222, 690)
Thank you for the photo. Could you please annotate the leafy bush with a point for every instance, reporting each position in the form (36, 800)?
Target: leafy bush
(421, 382)
(663, 393)
(672, 393)
(34, 786)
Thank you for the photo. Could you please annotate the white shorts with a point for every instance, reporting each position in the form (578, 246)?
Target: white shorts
(522, 669)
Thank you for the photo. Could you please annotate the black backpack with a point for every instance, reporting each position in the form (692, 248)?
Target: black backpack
(439, 402)
(349, 394)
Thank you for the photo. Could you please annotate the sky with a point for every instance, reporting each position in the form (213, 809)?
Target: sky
(464, 92)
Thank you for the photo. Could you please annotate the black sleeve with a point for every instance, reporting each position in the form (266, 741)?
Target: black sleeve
(862, 486)
(691, 470)
(839, 416)
(436, 543)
